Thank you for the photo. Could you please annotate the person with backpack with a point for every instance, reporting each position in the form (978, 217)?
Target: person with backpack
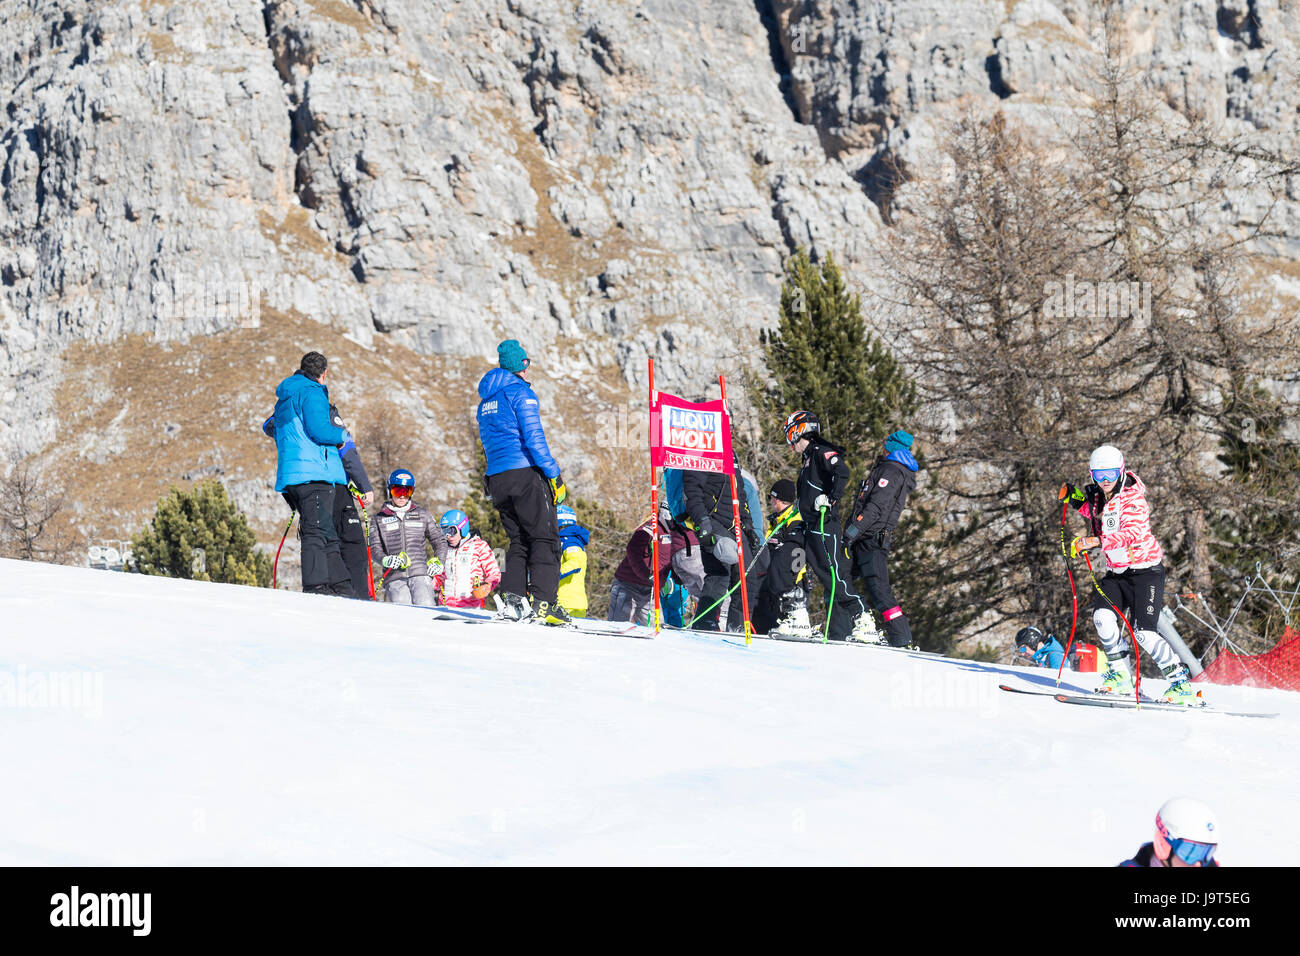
(707, 500)
(572, 593)
(470, 572)
(823, 477)
(631, 595)
(882, 496)
(397, 537)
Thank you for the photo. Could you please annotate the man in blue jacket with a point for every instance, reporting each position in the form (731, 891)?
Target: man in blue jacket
(349, 519)
(525, 485)
(309, 472)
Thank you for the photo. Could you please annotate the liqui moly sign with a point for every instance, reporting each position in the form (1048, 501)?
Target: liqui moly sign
(688, 435)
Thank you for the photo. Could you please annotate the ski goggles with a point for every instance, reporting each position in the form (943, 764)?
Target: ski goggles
(1191, 852)
(1105, 474)
(399, 491)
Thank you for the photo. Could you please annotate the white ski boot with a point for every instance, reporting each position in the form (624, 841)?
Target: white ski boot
(794, 624)
(512, 607)
(865, 631)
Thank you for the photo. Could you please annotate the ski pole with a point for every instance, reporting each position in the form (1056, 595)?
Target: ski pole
(276, 565)
(365, 523)
(1074, 593)
(1137, 657)
(835, 584)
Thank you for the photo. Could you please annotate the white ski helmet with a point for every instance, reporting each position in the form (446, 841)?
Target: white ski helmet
(1104, 457)
(1188, 829)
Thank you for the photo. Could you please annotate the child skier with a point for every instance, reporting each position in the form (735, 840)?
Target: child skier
(573, 562)
(400, 528)
(1119, 520)
(470, 572)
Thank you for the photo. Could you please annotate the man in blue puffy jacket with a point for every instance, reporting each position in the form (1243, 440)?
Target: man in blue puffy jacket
(309, 471)
(525, 485)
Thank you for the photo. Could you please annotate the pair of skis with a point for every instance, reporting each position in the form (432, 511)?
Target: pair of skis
(585, 625)
(818, 639)
(1078, 695)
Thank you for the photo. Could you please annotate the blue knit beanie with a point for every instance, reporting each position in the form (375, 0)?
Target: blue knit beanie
(899, 441)
(512, 356)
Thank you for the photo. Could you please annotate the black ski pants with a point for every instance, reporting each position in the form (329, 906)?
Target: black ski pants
(352, 541)
(872, 565)
(323, 571)
(523, 498)
(782, 576)
(824, 556)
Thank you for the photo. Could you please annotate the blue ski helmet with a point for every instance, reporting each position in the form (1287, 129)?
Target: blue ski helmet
(565, 516)
(455, 520)
(401, 478)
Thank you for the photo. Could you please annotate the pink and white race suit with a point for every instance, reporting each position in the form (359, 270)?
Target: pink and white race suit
(1126, 537)
(467, 566)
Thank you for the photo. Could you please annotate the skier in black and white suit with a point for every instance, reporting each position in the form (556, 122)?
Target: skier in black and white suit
(822, 480)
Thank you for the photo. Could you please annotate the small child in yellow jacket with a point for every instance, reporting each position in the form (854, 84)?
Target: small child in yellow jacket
(573, 562)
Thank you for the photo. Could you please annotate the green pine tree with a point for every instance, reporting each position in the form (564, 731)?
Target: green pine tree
(205, 519)
(822, 358)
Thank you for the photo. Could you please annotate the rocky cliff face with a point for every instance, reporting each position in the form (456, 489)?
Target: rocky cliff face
(604, 180)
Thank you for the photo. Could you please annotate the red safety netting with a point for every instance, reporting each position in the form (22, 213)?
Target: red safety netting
(1279, 667)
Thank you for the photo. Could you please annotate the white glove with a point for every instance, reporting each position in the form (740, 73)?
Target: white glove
(822, 503)
(400, 561)
(435, 567)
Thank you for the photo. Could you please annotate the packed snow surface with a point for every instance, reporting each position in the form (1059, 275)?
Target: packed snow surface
(157, 722)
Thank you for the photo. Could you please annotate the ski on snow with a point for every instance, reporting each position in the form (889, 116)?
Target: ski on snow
(1092, 699)
(818, 640)
(1126, 703)
(585, 625)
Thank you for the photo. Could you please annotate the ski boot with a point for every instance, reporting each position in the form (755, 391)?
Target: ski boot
(512, 607)
(1117, 679)
(551, 614)
(794, 616)
(1180, 688)
(865, 631)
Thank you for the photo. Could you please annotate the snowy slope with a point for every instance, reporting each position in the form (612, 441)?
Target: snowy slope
(223, 725)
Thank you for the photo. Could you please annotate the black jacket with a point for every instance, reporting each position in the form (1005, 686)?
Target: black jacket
(881, 499)
(708, 499)
(823, 473)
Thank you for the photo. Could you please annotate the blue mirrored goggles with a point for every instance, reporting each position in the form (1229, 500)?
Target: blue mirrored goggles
(1191, 852)
(1105, 474)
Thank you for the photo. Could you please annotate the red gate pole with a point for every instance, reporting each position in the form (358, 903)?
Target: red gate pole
(654, 505)
(735, 511)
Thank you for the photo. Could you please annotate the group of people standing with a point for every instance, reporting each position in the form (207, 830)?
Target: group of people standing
(320, 475)
(428, 560)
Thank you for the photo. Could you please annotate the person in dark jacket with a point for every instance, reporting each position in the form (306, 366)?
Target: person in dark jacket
(823, 477)
(309, 471)
(870, 532)
(707, 497)
(631, 595)
(525, 485)
(783, 594)
(349, 521)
